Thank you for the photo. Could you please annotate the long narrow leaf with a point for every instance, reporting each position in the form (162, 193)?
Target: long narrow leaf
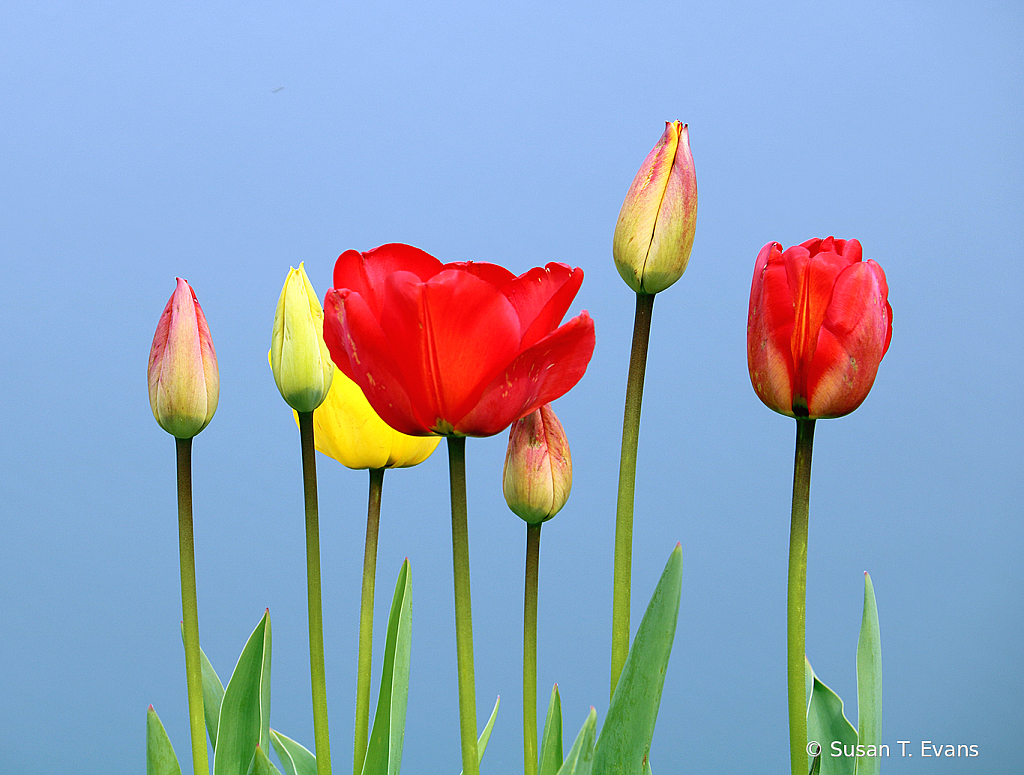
(869, 683)
(384, 751)
(625, 741)
(160, 757)
(551, 741)
(481, 743)
(244, 719)
(580, 760)
(296, 758)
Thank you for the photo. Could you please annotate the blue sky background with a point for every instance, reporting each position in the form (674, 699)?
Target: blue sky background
(225, 142)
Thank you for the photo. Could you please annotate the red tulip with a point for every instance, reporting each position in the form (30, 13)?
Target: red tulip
(818, 326)
(460, 349)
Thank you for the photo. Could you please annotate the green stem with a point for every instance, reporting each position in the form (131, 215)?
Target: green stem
(190, 609)
(627, 484)
(530, 649)
(366, 621)
(316, 620)
(796, 598)
(463, 609)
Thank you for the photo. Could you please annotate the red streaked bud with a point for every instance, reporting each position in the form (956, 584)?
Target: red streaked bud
(537, 476)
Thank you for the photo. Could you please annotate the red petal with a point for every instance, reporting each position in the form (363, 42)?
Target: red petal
(541, 298)
(450, 336)
(769, 329)
(536, 377)
(360, 349)
(492, 273)
(853, 338)
(366, 273)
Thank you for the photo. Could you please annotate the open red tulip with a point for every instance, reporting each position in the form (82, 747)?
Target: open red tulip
(818, 326)
(461, 349)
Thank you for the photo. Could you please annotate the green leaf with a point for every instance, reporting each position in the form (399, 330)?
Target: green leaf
(160, 758)
(869, 683)
(296, 758)
(551, 740)
(384, 751)
(625, 741)
(580, 760)
(244, 721)
(481, 743)
(816, 766)
(826, 725)
(261, 765)
(213, 693)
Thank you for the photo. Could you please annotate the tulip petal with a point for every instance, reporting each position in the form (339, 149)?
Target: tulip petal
(456, 333)
(542, 297)
(769, 328)
(365, 272)
(853, 338)
(536, 377)
(348, 320)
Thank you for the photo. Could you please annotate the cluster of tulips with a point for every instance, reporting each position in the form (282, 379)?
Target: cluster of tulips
(405, 350)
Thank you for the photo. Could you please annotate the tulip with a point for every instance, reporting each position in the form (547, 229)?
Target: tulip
(346, 428)
(819, 325)
(298, 357)
(183, 380)
(654, 233)
(537, 476)
(460, 349)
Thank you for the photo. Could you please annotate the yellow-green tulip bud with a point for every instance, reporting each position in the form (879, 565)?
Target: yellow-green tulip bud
(538, 467)
(654, 233)
(302, 367)
(183, 381)
(346, 428)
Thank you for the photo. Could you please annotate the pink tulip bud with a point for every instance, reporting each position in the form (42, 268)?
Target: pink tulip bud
(654, 233)
(183, 380)
(538, 466)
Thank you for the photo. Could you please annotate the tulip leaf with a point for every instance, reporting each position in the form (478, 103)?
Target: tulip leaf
(213, 693)
(481, 743)
(261, 765)
(580, 760)
(384, 750)
(160, 757)
(624, 744)
(296, 758)
(869, 682)
(827, 726)
(244, 721)
(551, 741)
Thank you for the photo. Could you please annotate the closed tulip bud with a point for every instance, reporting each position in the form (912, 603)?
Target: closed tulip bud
(183, 381)
(818, 325)
(654, 233)
(302, 367)
(538, 467)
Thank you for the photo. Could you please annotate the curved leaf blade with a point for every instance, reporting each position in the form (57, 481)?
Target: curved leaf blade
(481, 743)
(827, 725)
(580, 760)
(624, 744)
(244, 721)
(296, 758)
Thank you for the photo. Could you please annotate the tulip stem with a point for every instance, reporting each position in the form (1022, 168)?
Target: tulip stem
(627, 484)
(796, 598)
(366, 620)
(463, 608)
(190, 609)
(530, 649)
(316, 623)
